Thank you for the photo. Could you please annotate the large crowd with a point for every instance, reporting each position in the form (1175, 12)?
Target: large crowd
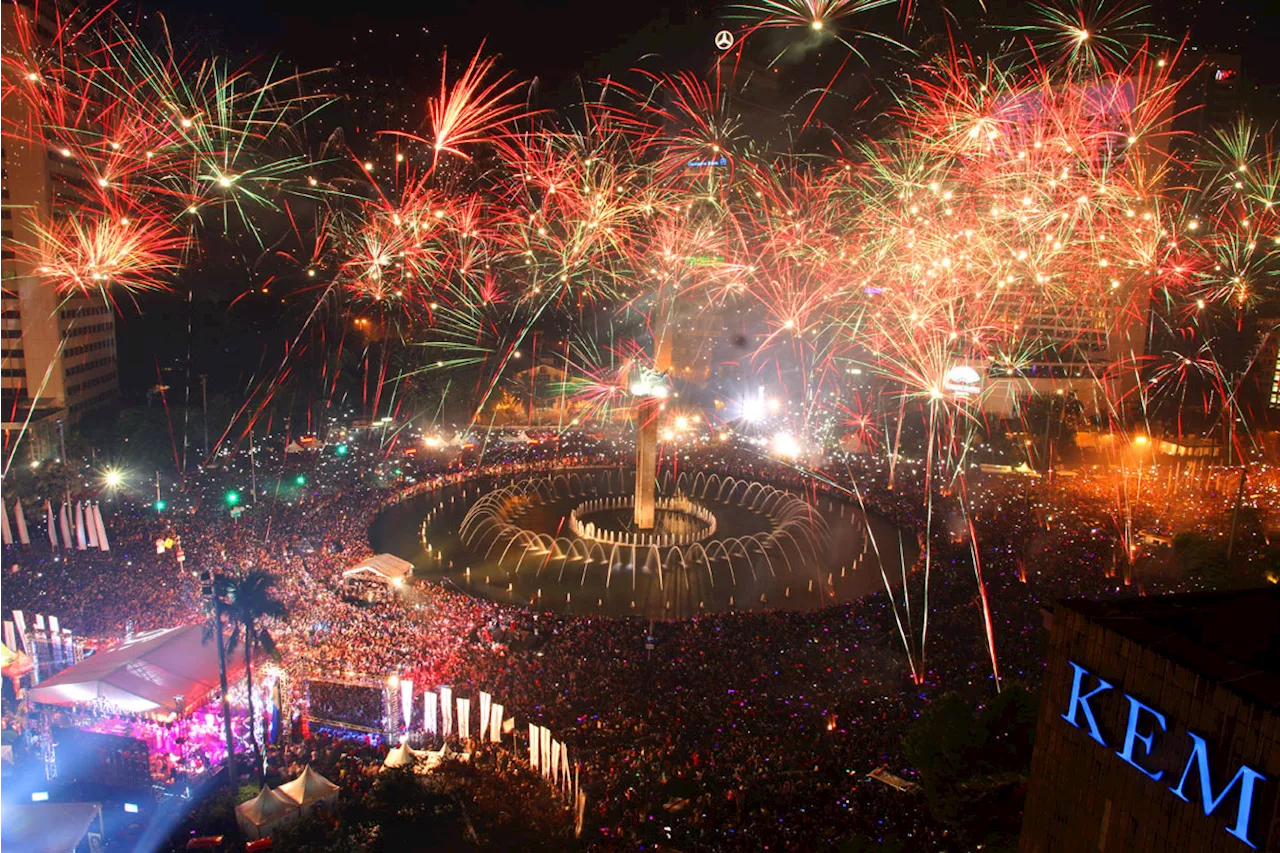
(747, 730)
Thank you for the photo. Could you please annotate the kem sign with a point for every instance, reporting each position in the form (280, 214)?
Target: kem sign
(1139, 732)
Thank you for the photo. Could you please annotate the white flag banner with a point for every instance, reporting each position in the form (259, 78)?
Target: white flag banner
(446, 710)
(555, 760)
(580, 813)
(6, 535)
(20, 622)
(102, 531)
(49, 524)
(64, 527)
(566, 780)
(91, 529)
(535, 741)
(495, 723)
(464, 718)
(406, 703)
(10, 636)
(21, 521)
(81, 544)
(545, 735)
(483, 719)
(429, 712)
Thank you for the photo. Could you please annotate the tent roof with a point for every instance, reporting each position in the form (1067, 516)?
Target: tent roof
(387, 566)
(141, 675)
(265, 808)
(402, 756)
(309, 787)
(46, 827)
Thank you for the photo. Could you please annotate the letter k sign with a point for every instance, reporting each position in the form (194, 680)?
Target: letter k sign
(1080, 702)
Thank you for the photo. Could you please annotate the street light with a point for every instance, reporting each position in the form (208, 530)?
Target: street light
(113, 478)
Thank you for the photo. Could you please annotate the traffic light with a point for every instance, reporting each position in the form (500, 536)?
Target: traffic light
(341, 450)
(160, 506)
(300, 480)
(232, 497)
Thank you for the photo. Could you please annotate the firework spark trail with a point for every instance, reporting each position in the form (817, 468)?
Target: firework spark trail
(1018, 217)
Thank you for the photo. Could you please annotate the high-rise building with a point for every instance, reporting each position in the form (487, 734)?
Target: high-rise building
(58, 357)
(1158, 727)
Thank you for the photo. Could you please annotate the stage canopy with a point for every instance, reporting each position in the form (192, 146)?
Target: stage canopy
(144, 674)
(387, 568)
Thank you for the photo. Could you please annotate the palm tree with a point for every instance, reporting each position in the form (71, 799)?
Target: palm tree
(215, 586)
(251, 602)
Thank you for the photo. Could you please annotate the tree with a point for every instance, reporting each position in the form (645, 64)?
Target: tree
(251, 602)
(215, 586)
(1201, 558)
(973, 765)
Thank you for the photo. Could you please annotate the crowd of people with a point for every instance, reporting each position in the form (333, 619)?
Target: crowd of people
(743, 730)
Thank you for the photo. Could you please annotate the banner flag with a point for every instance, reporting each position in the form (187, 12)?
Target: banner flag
(535, 741)
(483, 719)
(446, 710)
(49, 525)
(64, 527)
(406, 703)
(566, 781)
(495, 723)
(81, 544)
(6, 536)
(21, 521)
(102, 532)
(20, 621)
(545, 734)
(464, 718)
(10, 636)
(91, 529)
(555, 760)
(581, 813)
(429, 713)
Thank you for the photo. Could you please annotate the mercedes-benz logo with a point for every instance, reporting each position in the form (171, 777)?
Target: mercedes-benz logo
(724, 39)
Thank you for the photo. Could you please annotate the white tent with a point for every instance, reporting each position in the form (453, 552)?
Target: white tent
(143, 674)
(422, 760)
(265, 812)
(404, 756)
(309, 789)
(387, 568)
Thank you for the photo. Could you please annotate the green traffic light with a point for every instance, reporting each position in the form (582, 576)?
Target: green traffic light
(342, 450)
(233, 498)
(301, 480)
(160, 506)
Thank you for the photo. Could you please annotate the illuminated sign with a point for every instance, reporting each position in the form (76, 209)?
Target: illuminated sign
(709, 164)
(962, 381)
(724, 40)
(1222, 75)
(1143, 722)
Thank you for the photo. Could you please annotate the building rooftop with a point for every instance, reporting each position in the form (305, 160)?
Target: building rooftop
(1230, 637)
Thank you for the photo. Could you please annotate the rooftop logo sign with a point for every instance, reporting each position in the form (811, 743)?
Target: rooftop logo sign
(1139, 735)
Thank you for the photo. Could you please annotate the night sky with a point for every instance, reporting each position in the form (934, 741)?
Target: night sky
(556, 41)
(383, 59)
